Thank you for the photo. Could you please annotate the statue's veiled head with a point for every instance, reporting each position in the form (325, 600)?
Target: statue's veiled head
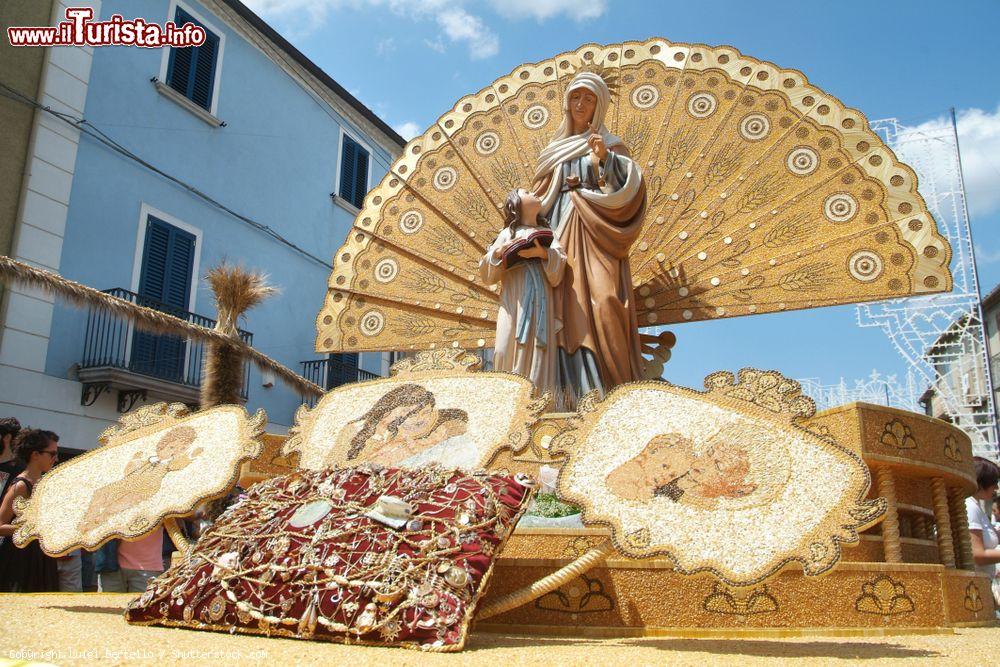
(586, 102)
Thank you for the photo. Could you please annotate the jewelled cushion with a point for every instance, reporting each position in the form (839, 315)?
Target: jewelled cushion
(302, 556)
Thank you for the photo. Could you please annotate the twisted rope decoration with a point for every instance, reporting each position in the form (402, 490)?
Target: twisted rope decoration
(587, 561)
(81, 296)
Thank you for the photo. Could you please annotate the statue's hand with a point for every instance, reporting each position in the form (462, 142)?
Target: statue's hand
(596, 143)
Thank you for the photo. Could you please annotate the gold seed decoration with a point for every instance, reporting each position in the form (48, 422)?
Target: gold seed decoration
(160, 461)
(658, 463)
(946, 548)
(753, 154)
(439, 411)
(890, 525)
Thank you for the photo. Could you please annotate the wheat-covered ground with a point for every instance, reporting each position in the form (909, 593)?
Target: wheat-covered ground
(72, 629)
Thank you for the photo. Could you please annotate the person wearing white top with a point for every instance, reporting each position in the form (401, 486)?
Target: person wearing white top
(984, 538)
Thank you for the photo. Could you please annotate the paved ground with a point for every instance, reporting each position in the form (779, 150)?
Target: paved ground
(69, 629)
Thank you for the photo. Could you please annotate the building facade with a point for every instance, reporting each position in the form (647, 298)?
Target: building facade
(966, 374)
(991, 325)
(240, 149)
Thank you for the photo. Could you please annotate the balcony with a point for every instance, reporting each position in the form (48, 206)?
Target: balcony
(330, 373)
(117, 357)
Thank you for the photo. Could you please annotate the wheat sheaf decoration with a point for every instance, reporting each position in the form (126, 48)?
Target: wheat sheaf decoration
(13, 272)
(236, 291)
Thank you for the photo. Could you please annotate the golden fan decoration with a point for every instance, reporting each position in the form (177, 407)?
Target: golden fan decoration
(764, 194)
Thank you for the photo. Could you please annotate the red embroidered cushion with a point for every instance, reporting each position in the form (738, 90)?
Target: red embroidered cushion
(301, 557)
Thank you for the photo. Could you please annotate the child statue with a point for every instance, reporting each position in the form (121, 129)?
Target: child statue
(528, 262)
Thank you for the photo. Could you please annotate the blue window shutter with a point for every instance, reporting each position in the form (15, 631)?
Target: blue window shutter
(179, 69)
(191, 70)
(204, 73)
(152, 280)
(341, 369)
(360, 176)
(164, 284)
(181, 261)
(167, 261)
(348, 164)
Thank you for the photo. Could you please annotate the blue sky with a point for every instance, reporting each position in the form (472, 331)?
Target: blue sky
(410, 60)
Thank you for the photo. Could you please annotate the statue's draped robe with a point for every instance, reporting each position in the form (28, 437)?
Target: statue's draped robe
(599, 341)
(527, 323)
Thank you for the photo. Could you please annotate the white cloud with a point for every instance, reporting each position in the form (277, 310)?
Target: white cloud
(979, 141)
(461, 26)
(385, 47)
(542, 10)
(407, 130)
(300, 17)
(435, 45)
(986, 256)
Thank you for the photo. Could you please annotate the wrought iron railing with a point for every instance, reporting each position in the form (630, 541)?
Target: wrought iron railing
(330, 373)
(111, 341)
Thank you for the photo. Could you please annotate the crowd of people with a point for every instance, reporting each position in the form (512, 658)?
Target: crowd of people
(118, 566)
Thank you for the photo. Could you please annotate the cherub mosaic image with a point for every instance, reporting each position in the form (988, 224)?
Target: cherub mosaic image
(671, 466)
(404, 425)
(412, 422)
(661, 465)
(143, 477)
(158, 463)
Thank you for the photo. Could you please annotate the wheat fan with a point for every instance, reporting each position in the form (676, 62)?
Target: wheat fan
(763, 193)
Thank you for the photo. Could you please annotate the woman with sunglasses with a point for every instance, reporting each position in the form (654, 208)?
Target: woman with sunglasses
(27, 570)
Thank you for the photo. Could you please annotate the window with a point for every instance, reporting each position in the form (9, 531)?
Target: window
(164, 284)
(353, 172)
(191, 70)
(341, 369)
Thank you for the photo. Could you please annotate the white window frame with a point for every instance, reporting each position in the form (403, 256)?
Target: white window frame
(340, 164)
(165, 58)
(146, 210)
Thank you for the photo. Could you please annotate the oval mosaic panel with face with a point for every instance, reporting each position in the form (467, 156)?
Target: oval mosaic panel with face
(160, 462)
(663, 466)
(453, 418)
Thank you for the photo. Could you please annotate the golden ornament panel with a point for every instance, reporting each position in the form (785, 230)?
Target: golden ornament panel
(627, 597)
(378, 270)
(159, 462)
(921, 445)
(433, 410)
(366, 324)
(657, 463)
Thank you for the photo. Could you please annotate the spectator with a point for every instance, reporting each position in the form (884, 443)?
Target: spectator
(10, 466)
(70, 569)
(138, 562)
(106, 568)
(88, 572)
(27, 570)
(984, 538)
(70, 566)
